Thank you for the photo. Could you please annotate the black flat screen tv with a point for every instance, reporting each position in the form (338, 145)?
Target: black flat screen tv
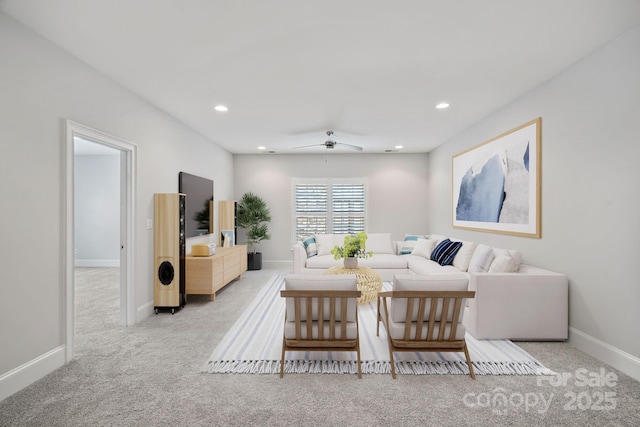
(199, 195)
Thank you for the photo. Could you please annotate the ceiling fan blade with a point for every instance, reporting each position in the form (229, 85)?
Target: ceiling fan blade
(308, 146)
(349, 146)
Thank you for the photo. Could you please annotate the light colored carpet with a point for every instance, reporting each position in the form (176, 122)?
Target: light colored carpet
(254, 345)
(149, 374)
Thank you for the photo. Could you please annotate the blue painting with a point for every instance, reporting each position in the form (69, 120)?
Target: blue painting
(481, 195)
(496, 184)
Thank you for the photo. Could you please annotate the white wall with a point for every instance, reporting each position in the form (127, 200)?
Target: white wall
(397, 185)
(97, 210)
(41, 86)
(590, 193)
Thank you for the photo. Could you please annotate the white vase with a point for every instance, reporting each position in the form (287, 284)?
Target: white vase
(351, 262)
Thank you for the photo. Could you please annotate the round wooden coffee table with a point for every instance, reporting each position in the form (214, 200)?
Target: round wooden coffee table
(369, 281)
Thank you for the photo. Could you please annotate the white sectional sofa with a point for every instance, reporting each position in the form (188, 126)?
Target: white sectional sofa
(513, 300)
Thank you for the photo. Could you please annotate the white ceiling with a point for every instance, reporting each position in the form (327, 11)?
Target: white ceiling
(289, 70)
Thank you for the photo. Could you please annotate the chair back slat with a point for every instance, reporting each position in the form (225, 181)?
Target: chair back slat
(432, 318)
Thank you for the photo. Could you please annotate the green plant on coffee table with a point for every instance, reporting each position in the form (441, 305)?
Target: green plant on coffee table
(354, 246)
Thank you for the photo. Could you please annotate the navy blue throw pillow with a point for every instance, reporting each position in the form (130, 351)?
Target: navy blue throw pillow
(445, 252)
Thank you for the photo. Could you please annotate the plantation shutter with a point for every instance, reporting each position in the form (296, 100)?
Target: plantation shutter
(347, 207)
(312, 207)
(329, 206)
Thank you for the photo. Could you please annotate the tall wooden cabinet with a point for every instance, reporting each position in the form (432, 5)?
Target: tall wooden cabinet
(206, 275)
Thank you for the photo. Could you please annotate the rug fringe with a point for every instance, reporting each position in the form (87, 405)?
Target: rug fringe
(374, 367)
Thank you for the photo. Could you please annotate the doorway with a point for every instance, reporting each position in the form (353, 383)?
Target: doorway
(79, 136)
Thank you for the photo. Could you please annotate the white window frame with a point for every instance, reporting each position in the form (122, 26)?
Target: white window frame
(329, 183)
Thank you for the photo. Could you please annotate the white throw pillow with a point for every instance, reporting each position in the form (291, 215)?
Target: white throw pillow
(516, 255)
(325, 243)
(463, 257)
(502, 264)
(379, 243)
(409, 243)
(423, 248)
(437, 237)
(481, 259)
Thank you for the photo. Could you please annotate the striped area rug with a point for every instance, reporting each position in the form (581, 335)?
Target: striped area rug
(254, 346)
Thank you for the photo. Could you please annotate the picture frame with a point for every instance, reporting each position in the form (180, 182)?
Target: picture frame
(497, 184)
(228, 238)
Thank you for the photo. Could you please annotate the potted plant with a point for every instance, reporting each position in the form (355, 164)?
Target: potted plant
(353, 248)
(253, 216)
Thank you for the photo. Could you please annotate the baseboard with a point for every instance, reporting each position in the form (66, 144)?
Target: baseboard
(278, 265)
(97, 263)
(25, 375)
(144, 311)
(621, 360)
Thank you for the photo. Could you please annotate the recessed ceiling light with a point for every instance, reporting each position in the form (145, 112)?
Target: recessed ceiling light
(442, 105)
(221, 108)
(399, 147)
(262, 148)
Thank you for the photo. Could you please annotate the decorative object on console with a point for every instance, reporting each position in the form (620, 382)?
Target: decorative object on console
(253, 215)
(496, 185)
(203, 249)
(352, 249)
(228, 238)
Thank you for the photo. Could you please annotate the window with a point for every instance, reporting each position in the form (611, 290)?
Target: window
(329, 205)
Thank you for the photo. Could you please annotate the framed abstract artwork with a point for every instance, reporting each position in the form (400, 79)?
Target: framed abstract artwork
(496, 185)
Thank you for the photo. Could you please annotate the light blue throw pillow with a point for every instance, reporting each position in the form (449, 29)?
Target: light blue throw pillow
(310, 246)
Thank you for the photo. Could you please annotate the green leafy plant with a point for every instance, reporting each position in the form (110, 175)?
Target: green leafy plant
(354, 246)
(253, 215)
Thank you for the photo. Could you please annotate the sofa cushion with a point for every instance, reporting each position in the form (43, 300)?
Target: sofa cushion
(481, 260)
(445, 251)
(409, 243)
(379, 243)
(384, 261)
(463, 257)
(310, 246)
(423, 248)
(323, 261)
(422, 266)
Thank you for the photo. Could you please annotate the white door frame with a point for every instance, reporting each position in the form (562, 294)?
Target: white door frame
(127, 215)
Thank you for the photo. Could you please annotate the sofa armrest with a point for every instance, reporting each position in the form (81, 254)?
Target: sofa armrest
(529, 305)
(299, 258)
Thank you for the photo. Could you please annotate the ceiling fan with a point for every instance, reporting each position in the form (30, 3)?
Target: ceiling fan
(331, 143)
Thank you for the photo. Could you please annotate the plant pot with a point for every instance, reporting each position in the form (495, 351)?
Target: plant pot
(351, 262)
(254, 261)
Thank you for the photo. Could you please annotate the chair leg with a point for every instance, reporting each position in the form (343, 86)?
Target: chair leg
(466, 354)
(391, 361)
(378, 319)
(359, 364)
(282, 359)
